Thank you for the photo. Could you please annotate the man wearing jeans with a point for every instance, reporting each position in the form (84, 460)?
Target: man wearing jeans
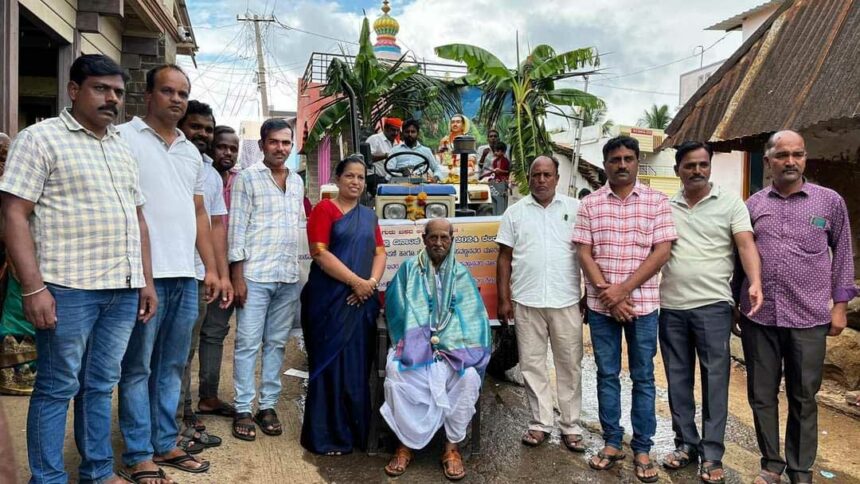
(807, 270)
(696, 307)
(624, 234)
(171, 178)
(265, 212)
(78, 239)
(198, 125)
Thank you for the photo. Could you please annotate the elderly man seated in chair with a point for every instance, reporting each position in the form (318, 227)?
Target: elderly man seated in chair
(441, 336)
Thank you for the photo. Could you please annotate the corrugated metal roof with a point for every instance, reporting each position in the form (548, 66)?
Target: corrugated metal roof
(737, 21)
(798, 69)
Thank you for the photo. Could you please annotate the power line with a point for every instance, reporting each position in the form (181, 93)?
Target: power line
(288, 27)
(628, 74)
(633, 89)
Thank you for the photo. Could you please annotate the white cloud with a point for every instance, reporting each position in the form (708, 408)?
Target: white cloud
(632, 35)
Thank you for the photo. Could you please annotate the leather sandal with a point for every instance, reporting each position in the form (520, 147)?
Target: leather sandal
(453, 456)
(399, 461)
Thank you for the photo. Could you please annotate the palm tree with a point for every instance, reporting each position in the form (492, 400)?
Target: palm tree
(381, 89)
(527, 92)
(590, 117)
(655, 117)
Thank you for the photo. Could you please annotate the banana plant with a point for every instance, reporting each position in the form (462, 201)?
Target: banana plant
(527, 93)
(382, 89)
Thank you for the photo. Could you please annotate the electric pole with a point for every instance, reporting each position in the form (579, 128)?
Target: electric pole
(261, 61)
(576, 149)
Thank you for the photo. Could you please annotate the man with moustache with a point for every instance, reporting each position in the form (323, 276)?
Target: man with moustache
(538, 281)
(696, 307)
(172, 179)
(76, 232)
(624, 234)
(807, 272)
(265, 213)
(198, 125)
(216, 324)
(406, 163)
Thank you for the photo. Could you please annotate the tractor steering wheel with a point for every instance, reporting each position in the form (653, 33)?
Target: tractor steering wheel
(418, 170)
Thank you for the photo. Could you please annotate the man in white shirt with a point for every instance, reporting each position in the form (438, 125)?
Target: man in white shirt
(198, 125)
(407, 163)
(538, 282)
(381, 145)
(171, 178)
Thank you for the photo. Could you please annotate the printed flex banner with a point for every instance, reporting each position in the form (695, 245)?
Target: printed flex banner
(475, 239)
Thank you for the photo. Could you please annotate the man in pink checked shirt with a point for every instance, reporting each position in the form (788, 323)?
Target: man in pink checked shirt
(624, 233)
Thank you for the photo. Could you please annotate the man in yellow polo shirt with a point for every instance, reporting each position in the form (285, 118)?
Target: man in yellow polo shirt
(696, 307)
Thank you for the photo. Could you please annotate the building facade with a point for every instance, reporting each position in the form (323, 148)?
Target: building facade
(39, 40)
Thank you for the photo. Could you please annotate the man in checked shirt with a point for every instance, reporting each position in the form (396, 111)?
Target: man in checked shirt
(804, 238)
(624, 233)
(266, 208)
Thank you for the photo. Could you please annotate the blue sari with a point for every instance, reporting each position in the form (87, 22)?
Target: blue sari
(338, 339)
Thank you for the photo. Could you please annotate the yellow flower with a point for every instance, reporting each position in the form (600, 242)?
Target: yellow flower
(410, 199)
(422, 196)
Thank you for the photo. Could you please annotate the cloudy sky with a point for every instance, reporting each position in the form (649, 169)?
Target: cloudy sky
(644, 46)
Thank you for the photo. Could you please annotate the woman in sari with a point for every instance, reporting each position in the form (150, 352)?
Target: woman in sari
(339, 310)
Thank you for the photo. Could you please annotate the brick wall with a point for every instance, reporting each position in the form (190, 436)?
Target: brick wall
(139, 56)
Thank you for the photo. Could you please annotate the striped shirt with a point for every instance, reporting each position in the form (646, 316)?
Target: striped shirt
(85, 192)
(622, 234)
(264, 225)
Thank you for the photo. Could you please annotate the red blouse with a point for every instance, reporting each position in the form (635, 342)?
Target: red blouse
(323, 216)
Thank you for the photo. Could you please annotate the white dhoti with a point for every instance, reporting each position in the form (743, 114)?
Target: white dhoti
(418, 402)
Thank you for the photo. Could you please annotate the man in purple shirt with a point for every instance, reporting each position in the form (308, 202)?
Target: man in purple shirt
(797, 225)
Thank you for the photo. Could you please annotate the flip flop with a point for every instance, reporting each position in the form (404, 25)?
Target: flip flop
(612, 459)
(644, 467)
(176, 463)
(223, 409)
(573, 442)
(529, 438)
(139, 476)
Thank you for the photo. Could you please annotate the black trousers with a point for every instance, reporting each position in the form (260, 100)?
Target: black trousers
(685, 334)
(771, 352)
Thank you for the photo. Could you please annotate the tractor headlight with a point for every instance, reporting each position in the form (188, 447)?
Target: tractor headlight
(394, 211)
(436, 210)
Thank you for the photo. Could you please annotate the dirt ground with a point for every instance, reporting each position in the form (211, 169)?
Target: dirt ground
(503, 459)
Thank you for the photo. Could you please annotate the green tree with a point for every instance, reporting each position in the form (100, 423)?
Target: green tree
(381, 88)
(527, 92)
(597, 116)
(655, 117)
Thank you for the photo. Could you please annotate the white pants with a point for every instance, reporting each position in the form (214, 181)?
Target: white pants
(418, 402)
(563, 329)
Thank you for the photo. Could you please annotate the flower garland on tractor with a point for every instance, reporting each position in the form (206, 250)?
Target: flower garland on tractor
(415, 206)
